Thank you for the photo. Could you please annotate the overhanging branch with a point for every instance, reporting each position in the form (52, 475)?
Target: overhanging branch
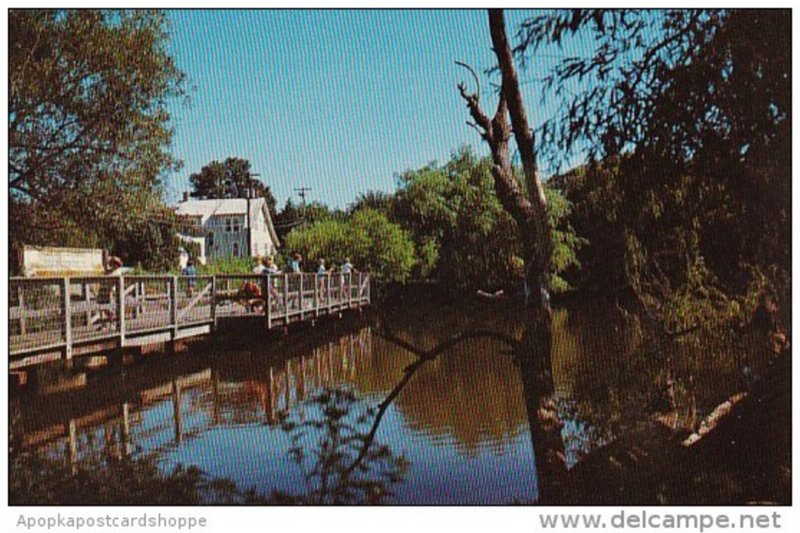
(423, 356)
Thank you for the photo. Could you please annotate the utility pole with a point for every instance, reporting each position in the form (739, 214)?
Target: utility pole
(301, 192)
(250, 179)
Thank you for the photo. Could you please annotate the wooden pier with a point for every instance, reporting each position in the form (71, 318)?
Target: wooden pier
(60, 318)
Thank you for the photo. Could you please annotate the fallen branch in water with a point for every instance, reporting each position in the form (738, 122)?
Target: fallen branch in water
(710, 422)
(491, 295)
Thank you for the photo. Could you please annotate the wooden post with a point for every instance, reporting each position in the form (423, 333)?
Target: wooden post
(126, 429)
(328, 276)
(288, 391)
(176, 410)
(300, 299)
(316, 295)
(23, 328)
(215, 395)
(213, 303)
(136, 299)
(286, 299)
(270, 408)
(173, 306)
(72, 453)
(66, 310)
(342, 299)
(121, 309)
(87, 301)
(268, 301)
(301, 381)
(350, 290)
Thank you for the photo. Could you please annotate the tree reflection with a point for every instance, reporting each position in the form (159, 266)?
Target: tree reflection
(532, 355)
(327, 436)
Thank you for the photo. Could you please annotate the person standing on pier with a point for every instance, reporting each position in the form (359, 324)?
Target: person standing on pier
(321, 273)
(295, 265)
(106, 294)
(345, 278)
(191, 272)
(347, 267)
(259, 268)
(270, 268)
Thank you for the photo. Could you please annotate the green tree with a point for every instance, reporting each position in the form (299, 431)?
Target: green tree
(230, 179)
(88, 122)
(293, 216)
(463, 235)
(378, 200)
(368, 238)
(594, 194)
(699, 104)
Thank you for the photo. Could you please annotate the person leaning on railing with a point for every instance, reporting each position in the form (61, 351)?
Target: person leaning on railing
(108, 289)
(267, 267)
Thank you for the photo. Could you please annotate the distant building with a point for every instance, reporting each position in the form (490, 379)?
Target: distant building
(220, 227)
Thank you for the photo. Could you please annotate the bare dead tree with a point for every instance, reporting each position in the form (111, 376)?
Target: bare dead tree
(526, 202)
(524, 199)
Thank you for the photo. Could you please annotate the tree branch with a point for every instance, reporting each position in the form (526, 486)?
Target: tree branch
(423, 356)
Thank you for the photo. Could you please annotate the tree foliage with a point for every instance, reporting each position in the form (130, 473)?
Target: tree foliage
(230, 179)
(378, 200)
(367, 237)
(88, 125)
(687, 118)
(463, 235)
(294, 216)
(337, 430)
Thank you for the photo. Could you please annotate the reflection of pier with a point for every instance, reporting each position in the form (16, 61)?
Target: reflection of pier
(167, 403)
(51, 318)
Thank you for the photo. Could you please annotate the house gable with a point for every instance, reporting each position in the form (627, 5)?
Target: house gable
(224, 224)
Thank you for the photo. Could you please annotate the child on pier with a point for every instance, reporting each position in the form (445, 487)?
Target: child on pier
(295, 265)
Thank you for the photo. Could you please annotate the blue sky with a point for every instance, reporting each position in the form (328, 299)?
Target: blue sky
(339, 101)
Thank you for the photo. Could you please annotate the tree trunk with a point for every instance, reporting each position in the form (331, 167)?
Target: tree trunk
(526, 203)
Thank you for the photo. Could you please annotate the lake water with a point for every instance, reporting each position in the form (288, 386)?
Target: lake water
(458, 433)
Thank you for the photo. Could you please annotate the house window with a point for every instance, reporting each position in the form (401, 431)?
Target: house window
(232, 225)
(210, 240)
(236, 249)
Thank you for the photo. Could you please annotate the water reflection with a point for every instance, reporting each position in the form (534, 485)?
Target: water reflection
(470, 426)
(327, 438)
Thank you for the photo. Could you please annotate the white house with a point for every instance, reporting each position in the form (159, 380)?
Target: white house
(222, 227)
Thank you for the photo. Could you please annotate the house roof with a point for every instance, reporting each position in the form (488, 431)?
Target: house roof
(217, 206)
(206, 209)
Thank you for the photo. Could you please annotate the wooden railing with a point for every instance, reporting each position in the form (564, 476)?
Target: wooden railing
(62, 313)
